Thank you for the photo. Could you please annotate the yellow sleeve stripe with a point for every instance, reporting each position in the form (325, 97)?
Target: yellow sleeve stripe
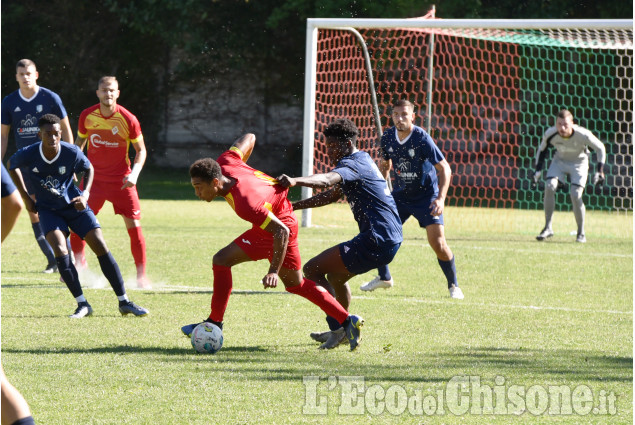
(235, 149)
(267, 179)
(140, 138)
(266, 222)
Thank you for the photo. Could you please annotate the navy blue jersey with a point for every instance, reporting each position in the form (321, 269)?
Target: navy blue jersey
(23, 114)
(52, 180)
(367, 193)
(413, 161)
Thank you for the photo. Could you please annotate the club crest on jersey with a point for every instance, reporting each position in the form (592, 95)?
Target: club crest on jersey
(62, 169)
(38, 108)
(411, 152)
(115, 130)
(29, 120)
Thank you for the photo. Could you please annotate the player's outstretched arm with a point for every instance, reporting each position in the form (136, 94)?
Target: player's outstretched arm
(246, 144)
(321, 199)
(316, 181)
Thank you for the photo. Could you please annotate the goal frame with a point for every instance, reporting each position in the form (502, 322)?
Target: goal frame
(315, 24)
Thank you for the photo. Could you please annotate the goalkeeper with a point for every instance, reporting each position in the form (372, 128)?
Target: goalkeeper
(571, 158)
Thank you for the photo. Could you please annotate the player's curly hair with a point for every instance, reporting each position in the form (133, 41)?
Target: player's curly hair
(342, 129)
(205, 169)
(48, 119)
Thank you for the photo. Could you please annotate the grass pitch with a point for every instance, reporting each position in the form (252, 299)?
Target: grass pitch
(535, 316)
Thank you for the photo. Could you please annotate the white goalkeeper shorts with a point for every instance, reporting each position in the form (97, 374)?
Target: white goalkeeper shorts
(578, 171)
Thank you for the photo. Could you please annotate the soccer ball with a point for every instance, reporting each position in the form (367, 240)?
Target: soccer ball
(207, 338)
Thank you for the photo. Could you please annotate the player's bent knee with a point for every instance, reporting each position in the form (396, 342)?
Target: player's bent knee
(224, 258)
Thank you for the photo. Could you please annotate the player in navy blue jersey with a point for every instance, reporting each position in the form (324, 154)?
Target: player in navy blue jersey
(51, 166)
(422, 177)
(21, 111)
(357, 177)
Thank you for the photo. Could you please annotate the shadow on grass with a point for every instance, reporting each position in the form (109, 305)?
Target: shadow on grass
(537, 365)
(578, 364)
(211, 291)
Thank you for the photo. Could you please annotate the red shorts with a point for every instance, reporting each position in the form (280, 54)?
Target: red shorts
(258, 245)
(125, 202)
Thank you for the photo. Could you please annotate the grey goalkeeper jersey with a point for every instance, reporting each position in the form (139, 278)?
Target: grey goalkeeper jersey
(571, 149)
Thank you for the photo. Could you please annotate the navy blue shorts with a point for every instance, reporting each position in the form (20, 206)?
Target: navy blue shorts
(80, 222)
(361, 255)
(7, 183)
(420, 209)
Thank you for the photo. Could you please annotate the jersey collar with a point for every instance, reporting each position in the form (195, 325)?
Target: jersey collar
(52, 160)
(37, 90)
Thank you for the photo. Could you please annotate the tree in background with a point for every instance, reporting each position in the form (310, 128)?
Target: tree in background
(151, 45)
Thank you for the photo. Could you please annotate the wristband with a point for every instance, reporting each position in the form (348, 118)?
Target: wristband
(134, 174)
(86, 194)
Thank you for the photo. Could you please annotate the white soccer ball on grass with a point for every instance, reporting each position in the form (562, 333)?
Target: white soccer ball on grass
(207, 338)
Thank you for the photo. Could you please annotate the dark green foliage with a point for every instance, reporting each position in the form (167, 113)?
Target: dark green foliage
(75, 42)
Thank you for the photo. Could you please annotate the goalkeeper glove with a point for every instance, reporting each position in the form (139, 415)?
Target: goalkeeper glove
(598, 178)
(537, 176)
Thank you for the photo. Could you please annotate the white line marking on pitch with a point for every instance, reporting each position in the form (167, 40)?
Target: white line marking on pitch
(521, 307)
(174, 288)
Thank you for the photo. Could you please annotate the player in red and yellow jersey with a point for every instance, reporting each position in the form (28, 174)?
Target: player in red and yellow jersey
(109, 129)
(260, 200)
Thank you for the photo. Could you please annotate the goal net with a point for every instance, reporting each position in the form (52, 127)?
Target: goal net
(485, 90)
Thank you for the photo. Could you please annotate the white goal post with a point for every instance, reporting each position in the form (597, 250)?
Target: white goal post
(563, 34)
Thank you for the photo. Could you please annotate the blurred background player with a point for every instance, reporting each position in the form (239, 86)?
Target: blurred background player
(21, 111)
(61, 205)
(15, 410)
(422, 178)
(111, 129)
(572, 144)
(357, 177)
(260, 200)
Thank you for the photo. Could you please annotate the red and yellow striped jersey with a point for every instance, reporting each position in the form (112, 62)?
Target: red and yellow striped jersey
(255, 194)
(109, 140)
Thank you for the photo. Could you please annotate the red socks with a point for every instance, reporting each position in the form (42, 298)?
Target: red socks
(138, 248)
(320, 297)
(77, 245)
(307, 289)
(222, 289)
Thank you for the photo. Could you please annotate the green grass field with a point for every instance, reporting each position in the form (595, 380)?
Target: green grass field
(535, 316)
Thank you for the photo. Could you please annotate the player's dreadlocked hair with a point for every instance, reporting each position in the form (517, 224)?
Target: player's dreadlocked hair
(342, 129)
(206, 169)
(48, 119)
